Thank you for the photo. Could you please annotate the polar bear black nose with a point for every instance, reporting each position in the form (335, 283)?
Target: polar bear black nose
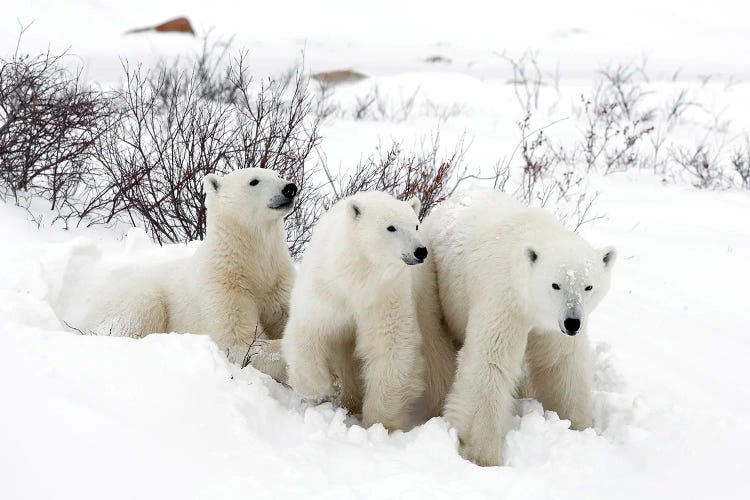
(289, 190)
(420, 253)
(572, 325)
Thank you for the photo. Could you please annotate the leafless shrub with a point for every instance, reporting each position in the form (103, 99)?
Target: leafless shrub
(667, 118)
(377, 106)
(547, 177)
(620, 86)
(527, 79)
(701, 164)
(278, 131)
(324, 105)
(535, 159)
(364, 104)
(442, 113)
(501, 175)
(741, 164)
(623, 128)
(675, 108)
(85, 332)
(49, 122)
(616, 120)
(149, 169)
(426, 173)
(400, 110)
(26, 201)
(177, 124)
(251, 349)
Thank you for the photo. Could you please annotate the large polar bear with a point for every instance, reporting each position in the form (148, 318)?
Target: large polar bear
(513, 284)
(235, 287)
(353, 319)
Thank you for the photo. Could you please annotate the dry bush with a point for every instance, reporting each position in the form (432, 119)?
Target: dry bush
(701, 164)
(622, 128)
(176, 124)
(138, 154)
(324, 105)
(49, 123)
(616, 121)
(426, 173)
(548, 178)
(375, 105)
(741, 164)
(667, 118)
(527, 79)
(536, 160)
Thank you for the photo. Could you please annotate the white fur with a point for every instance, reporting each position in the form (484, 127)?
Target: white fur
(352, 331)
(234, 287)
(499, 304)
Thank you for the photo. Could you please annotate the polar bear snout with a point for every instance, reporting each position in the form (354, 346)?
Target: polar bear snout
(284, 200)
(290, 190)
(417, 257)
(571, 326)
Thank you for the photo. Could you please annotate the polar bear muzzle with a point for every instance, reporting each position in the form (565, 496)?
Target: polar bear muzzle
(419, 255)
(571, 326)
(285, 199)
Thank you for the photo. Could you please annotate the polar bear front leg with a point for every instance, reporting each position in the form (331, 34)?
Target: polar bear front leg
(275, 311)
(265, 356)
(560, 372)
(440, 364)
(389, 345)
(480, 403)
(437, 342)
(232, 322)
(306, 347)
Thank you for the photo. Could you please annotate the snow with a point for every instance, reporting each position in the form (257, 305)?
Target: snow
(168, 417)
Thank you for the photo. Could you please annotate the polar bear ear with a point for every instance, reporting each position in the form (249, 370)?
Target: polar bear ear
(415, 204)
(356, 211)
(211, 183)
(609, 255)
(531, 255)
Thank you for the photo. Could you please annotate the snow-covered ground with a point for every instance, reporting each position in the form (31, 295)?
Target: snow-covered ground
(169, 417)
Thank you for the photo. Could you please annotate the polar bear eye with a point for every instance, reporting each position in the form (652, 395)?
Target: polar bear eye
(555, 286)
(391, 229)
(254, 182)
(416, 228)
(589, 288)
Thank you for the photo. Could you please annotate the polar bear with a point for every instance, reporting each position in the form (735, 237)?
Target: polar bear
(513, 285)
(352, 331)
(235, 287)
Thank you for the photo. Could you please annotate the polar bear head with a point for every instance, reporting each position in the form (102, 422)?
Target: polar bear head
(566, 282)
(249, 196)
(385, 229)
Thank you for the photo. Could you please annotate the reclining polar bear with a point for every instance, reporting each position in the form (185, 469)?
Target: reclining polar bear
(235, 287)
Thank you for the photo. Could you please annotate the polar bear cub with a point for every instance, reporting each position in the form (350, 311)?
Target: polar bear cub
(234, 287)
(352, 331)
(513, 285)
